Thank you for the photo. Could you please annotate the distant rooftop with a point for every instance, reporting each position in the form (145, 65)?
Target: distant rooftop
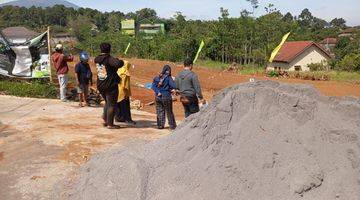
(351, 30)
(329, 41)
(18, 32)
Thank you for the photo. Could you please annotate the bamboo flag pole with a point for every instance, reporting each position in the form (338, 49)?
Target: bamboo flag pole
(49, 50)
(127, 48)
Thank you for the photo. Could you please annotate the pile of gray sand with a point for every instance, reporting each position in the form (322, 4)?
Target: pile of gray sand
(255, 141)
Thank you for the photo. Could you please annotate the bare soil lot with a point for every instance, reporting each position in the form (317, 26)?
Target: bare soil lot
(41, 141)
(213, 80)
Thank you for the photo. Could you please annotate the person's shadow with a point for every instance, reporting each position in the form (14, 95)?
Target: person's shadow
(143, 124)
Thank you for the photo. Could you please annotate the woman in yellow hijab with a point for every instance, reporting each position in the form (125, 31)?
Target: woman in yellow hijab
(123, 113)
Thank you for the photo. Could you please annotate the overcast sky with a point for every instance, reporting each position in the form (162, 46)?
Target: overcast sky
(209, 9)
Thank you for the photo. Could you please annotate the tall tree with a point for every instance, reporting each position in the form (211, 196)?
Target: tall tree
(318, 24)
(305, 18)
(338, 23)
(146, 13)
(179, 22)
(270, 8)
(81, 27)
(114, 23)
(288, 17)
(254, 5)
(224, 13)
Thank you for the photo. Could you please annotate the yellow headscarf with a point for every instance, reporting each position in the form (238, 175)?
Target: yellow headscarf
(124, 85)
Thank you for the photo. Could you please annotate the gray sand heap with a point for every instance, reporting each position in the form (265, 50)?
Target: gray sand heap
(255, 141)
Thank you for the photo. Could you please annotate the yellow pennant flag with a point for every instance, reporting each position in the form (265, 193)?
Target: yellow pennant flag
(127, 48)
(202, 44)
(277, 49)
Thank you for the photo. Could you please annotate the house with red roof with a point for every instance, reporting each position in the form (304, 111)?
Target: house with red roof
(297, 55)
(329, 43)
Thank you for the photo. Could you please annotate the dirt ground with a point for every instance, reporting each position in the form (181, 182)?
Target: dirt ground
(213, 80)
(41, 140)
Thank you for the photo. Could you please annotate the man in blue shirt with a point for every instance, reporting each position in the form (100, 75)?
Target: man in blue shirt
(163, 85)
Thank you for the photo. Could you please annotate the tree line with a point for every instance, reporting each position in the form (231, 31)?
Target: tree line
(246, 39)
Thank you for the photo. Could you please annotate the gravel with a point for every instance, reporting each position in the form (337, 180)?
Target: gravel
(255, 141)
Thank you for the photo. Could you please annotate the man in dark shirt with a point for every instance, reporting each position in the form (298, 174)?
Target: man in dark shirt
(108, 81)
(188, 86)
(83, 77)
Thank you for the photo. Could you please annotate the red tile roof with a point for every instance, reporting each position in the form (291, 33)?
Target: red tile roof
(290, 50)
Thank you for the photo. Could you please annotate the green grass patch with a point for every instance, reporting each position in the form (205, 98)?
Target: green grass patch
(321, 75)
(250, 70)
(35, 88)
(211, 64)
(344, 76)
(243, 69)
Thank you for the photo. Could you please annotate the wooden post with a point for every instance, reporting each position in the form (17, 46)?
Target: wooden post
(49, 50)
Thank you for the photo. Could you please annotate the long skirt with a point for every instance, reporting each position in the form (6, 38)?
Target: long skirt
(123, 112)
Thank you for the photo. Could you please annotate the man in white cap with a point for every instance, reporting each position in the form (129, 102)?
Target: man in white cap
(60, 63)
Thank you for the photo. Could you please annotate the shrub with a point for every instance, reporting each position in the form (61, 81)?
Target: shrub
(314, 76)
(349, 63)
(318, 66)
(273, 73)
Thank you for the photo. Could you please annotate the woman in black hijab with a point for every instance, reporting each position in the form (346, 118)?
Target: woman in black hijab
(163, 85)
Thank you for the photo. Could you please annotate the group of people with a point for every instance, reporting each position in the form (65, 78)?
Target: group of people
(186, 85)
(113, 83)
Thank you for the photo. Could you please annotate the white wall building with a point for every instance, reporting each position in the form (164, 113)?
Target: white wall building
(296, 56)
